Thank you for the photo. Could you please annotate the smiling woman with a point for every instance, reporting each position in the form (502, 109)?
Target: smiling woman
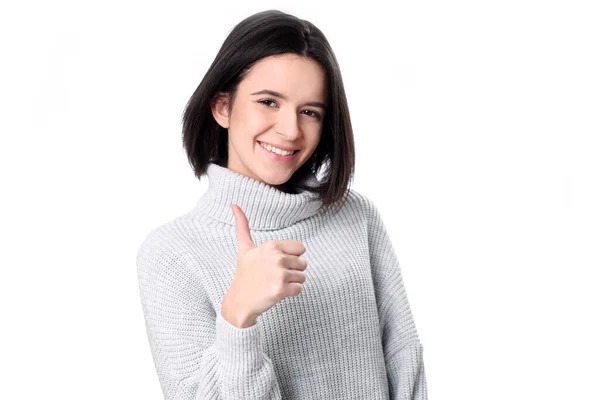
(289, 122)
(277, 284)
(275, 80)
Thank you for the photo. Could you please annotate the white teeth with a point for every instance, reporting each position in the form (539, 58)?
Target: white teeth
(276, 150)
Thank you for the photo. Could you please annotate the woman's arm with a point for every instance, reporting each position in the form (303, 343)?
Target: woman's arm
(402, 349)
(196, 352)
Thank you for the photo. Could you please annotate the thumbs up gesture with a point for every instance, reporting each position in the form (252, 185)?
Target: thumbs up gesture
(264, 275)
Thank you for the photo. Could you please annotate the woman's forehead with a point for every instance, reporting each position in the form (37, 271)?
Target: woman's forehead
(292, 76)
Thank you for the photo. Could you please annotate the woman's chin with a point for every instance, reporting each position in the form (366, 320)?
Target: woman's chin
(276, 176)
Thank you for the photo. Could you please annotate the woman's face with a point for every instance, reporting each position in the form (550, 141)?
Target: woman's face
(290, 116)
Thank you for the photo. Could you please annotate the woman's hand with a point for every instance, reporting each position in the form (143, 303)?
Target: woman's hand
(264, 275)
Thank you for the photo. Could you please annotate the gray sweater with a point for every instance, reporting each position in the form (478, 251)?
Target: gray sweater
(349, 334)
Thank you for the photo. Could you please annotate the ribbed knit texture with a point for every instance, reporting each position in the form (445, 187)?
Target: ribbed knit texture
(349, 334)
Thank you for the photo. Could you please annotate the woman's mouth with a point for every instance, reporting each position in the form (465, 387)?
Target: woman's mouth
(277, 154)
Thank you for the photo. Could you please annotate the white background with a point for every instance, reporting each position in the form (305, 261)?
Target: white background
(477, 129)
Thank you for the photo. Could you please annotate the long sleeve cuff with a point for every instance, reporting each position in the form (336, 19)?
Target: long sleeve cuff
(239, 350)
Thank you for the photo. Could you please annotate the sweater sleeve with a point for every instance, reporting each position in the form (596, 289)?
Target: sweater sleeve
(197, 354)
(402, 348)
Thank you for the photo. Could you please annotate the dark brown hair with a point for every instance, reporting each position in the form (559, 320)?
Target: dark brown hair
(264, 34)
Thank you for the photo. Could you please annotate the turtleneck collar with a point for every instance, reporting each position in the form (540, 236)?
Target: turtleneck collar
(266, 207)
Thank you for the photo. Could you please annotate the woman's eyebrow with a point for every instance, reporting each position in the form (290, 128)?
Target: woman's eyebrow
(281, 96)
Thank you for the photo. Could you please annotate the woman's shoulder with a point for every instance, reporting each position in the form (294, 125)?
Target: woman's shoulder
(358, 208)
(171, 236)
(357, 203)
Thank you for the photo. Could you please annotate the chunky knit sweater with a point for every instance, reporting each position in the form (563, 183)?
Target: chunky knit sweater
(349, 334)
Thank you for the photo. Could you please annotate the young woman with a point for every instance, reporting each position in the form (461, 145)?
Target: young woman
(277, 284)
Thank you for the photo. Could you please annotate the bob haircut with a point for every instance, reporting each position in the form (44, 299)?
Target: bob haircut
(264, 34)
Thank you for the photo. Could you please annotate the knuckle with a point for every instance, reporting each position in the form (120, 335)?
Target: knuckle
(278, 289)
(283, 276)
(280, 259)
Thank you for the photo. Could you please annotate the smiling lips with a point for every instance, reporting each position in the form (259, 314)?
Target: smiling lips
(277, 155)
(279, 149)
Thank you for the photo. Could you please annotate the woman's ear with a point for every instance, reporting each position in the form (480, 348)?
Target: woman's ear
(218, 106)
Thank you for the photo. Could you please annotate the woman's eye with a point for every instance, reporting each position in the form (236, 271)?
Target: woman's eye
(312, 113)
(266, 101)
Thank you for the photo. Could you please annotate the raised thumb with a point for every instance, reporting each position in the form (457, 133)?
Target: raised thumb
(244, 238)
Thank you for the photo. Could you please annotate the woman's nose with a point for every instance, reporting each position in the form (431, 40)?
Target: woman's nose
(288, 126)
